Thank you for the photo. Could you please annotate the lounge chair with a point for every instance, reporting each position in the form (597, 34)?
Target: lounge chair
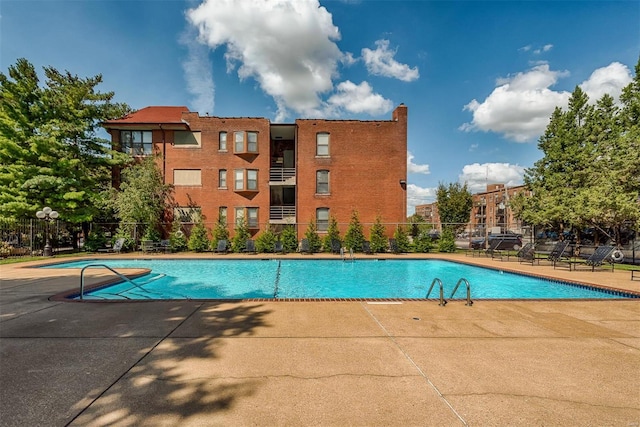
(393, 246)
(250, 247)
(278, 247)
(599, 256)
(561, 253)
(366, 247)
(165, 246)
(492, 250)
(305, 248)
(148, 246)
(527, 253)
(336, 246)
(222, 247)
(116, 248)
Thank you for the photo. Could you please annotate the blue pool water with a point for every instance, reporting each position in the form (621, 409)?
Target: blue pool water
(288, 278)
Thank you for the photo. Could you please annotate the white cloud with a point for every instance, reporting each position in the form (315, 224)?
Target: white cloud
(419, 196)
(288, 47)
(358, 99)
(545, 48)
(416, 168)
(381, 62)
(610, 79)
(477, 175)
(198, 75)
(520, 106)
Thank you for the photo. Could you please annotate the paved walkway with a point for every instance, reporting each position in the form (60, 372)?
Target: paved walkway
(189, 363)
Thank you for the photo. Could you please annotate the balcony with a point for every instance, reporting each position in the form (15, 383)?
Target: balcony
(282, 214)
(282, 176)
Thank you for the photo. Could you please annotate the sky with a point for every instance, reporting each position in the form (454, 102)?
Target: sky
(480, 79)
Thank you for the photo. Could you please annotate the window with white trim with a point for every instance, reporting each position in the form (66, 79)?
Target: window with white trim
(222, 141)
(322, 182)
(245, 142)
(245, 180)
(222, 214)
(322, 219)
(222, 178)
(322, 144)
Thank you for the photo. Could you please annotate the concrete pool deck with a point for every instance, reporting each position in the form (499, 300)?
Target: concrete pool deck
(409, 363)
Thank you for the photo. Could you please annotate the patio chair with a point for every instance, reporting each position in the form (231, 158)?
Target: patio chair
(278, 247)
(492, 250)
(222, 247)
(336, 246)
(561, 253)
(393, 246)
(148, 246)
(601, 255)
(116, 248)
(366, 247)
(165, 246)
(250, 247)
(527, 253)
(305, 248)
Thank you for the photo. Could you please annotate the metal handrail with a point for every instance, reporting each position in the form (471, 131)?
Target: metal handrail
(466, 282)
(442, 300)
(108, 268)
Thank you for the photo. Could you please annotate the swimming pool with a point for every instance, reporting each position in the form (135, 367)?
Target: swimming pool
(321, 279)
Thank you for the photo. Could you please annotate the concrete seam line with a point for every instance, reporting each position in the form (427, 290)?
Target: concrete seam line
(415, 365)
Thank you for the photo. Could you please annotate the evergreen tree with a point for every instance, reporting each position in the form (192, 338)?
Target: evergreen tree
(354, 236)
(379, 242)
(239, 241)
(333, 234)
(289, 239)
(198, 240)
(266, 240)
(312, 236)
(447, 242)
(402, 239)
(220, 232)
(177, 239)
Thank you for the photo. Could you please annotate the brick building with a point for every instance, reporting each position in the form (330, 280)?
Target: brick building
(429, 212)
(491, 210)
(233, 167)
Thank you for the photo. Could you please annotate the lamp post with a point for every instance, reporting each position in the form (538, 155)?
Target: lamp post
(47, 215)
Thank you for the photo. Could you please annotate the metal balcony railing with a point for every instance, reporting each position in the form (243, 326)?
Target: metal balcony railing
(281, 174)
(282, 212)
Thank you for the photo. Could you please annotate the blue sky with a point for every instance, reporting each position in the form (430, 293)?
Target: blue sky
(480, 79)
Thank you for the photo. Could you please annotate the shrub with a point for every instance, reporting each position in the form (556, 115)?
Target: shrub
(198, 240)
(354, 236)
(422, 242)
(312, 236)
(266, 240)
(332, 234)
(447, 242)
(289, 239)
(402, 239)
(378, 239)
(220, 232)
(239, 242)
(95, 240)
(177, 239)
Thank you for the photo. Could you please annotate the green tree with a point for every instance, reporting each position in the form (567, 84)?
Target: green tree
(423, 242)
(266, 240)
(311, 234)
(50, 153)
(333, 234)
(379, 242)
(454, 206)
(402, 239)
(199, 240)
(220, 232)
(354, 236)
(239, 241)
(142, 198)
(177, 239)
(289, 239)
(447, 242)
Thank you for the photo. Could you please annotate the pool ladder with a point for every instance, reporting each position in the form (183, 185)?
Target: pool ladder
(123, 277)
(443, 302)
(342, 254)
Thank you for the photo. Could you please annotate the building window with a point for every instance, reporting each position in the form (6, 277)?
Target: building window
(322, 182)
(248, 176)
(239, 215)
(186, 214)
(245, 142)
(222, 215)
(222, 141)
(322, 219)
(252, 217)
(187, 177)
(222, 178)
(252, 142)
(136, 142)
(322, 144)
(187, 139)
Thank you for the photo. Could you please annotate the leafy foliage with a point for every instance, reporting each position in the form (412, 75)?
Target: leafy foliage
(590, 173)
(289, 239)
(239, 242)
(354, 236)
(266, 241)
(377, 237)
(454, 205)
(332, 234)
(422, 242)
(50, 154)
(402, 239)
(177, 238)
(220, 232)
(312, 236)
(447, 242)
(198, 240)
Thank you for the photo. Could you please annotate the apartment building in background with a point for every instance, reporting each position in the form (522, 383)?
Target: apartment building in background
(273, 174)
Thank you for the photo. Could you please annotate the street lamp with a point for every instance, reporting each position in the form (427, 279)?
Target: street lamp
(47, 215)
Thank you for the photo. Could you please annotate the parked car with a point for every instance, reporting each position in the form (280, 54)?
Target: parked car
(507, 242)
